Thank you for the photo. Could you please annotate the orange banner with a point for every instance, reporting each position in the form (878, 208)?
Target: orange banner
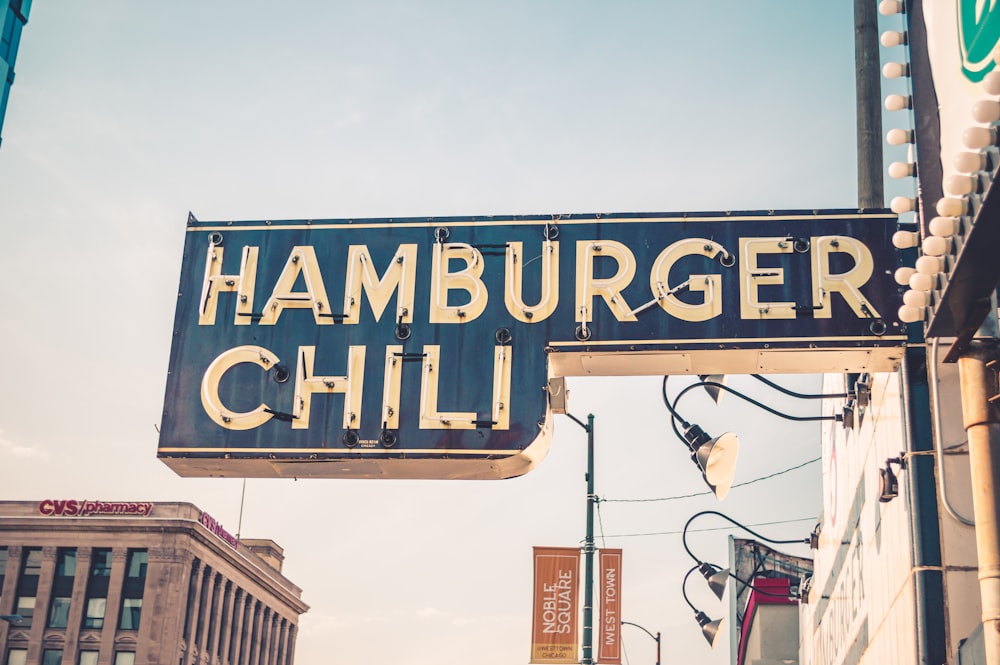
(609, 626)
(555, 606)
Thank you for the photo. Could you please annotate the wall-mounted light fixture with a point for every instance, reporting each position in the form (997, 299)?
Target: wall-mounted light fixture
(888, 483)
(716, 576)
(709, 627)
(716, 456)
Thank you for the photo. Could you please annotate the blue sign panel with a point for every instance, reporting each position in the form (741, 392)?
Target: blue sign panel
(423, 347)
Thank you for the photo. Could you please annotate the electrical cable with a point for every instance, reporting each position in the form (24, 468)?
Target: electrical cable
(792, 393)
(689, 496)
(717, 528)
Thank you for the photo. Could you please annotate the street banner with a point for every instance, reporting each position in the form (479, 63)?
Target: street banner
(609, 648)
(555, 605)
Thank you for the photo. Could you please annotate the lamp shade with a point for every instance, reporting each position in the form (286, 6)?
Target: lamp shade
(717, 578)
(709, 628)
(717, 459)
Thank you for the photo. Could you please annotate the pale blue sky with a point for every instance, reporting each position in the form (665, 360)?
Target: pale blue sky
(126, 115)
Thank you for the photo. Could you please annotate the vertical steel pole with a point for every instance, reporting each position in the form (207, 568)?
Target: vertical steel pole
(657, 647)
(588, 552)
(869, 105)
(978, 384)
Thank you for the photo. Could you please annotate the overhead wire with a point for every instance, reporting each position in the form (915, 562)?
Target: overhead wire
(718, 528)
(743, 484)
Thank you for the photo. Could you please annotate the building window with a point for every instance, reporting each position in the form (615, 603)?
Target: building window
(124, 658)
(88, 658)
(100, 565)
(32, 561)
(66, 563)
(94, 617)
(17, 657)
(52, 657)
(59, 612)
(137, 562)
(131, 613)
(26, 608)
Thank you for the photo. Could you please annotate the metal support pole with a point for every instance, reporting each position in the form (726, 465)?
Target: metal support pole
(588, 545)
(588, 552)
(655, 637)
(869, 105)
(978, 384)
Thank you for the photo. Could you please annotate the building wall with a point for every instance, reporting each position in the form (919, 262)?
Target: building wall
(860, 604)
(203, 600)
(12, 21)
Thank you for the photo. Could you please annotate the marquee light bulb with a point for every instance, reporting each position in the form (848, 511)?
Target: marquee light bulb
(936, 246)
(902, 169)
(892, 38)
(970, 162)
(899, 136)
(917, 298)
(911, 314)
(986, 111)
(921, 282)
(930, 265)
(977, 138)
(960, 185)
(902, 275)
(944, 227)
(991, 83)
(952, 207)
(897, 102)
(901, 204)
(890, 7)
(895, 70)
(905, 239)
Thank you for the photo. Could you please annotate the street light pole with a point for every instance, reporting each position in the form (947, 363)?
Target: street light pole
(588, 545)
(655, 637)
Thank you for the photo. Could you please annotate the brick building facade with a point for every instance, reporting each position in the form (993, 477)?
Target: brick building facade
(131, 583)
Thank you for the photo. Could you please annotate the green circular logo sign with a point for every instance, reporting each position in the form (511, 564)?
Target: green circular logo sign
(978, 36)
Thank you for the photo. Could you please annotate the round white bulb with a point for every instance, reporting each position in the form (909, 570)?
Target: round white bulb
(896, 102)
(921, 282)
(986, 111)
(905, 239)
(930, 265)
(936, 246)
(895, 70)
(976, 138)
(899, 137)
(991, 83)
(960, 185)
(890, 7)
(969, 162)
(901, 170)
(892, 38)
(944, 227)
(901, 204)
(902, 275)
(917, 298)
(952, 207)
(911, 314)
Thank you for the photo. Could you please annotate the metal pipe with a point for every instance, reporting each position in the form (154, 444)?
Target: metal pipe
(978, 384)
(922, 507)
(935, 389)
(869, 99)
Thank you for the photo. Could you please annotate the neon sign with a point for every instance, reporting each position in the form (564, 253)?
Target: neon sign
(423, 347)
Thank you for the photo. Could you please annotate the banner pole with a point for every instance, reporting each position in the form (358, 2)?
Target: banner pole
(588, 551)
